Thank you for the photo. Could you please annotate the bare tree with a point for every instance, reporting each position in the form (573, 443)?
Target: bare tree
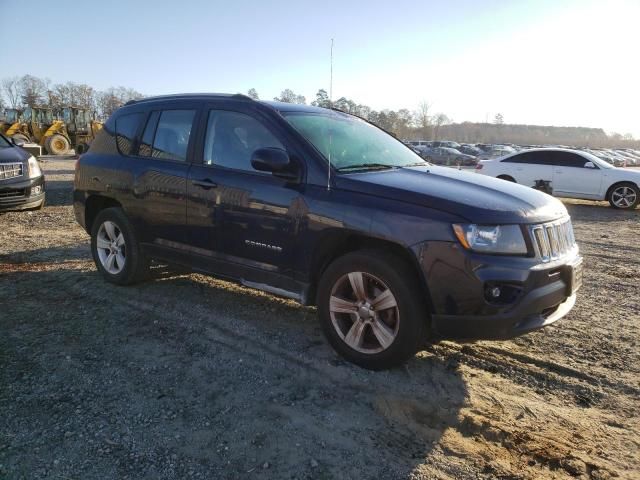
(439, 120)
(498, 119)
(288, 96)
(253, 93)
(423, 119)
(10, 87)
(33, 90)
(111, 99)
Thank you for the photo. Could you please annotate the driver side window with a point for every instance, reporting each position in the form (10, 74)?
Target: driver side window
(232, 137)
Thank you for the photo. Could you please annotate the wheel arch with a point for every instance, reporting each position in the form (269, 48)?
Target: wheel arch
(508, 178)
(340, 243)
(617, 183)
(94, 204)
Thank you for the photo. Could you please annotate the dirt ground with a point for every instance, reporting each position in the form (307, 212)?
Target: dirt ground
(185, 376)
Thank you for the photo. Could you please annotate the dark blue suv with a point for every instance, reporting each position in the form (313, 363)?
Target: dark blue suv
(327, 209)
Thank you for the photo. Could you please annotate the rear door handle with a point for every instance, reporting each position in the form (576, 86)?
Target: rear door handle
(206, 183)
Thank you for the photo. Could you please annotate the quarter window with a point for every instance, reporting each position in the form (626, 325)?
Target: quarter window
(126, 129)
(232, 137)
(171, 138)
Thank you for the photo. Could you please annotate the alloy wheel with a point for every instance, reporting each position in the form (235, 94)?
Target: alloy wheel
(623, 197)
(364, 312)
(111, 248)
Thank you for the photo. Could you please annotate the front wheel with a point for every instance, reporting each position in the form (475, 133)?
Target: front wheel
(57, 144)
(115, 248)
(624, 196)
(371, 310)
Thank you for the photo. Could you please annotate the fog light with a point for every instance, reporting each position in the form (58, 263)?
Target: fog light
(495, 292)
(36, 190)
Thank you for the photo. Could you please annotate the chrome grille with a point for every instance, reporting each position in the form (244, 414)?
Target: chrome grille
(553, 240)
(10, 170)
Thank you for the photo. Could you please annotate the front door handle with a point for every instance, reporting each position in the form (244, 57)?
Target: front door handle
(206, 183)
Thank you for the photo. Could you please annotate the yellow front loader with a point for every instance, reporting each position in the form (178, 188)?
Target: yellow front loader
(15, 127)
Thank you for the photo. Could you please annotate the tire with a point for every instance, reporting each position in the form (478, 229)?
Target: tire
(401, 322)
(81, 148)
(128, 265)
(57, 144)
(624, 196)
(19, 137)
(507, 178)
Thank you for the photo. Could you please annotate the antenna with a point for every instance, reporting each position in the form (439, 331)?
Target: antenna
(331, 107)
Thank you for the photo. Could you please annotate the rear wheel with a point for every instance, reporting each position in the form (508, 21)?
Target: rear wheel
(371, 310)
(116, 250)
(507, 178)
(57, 144)
(81, 148)
(624, 196)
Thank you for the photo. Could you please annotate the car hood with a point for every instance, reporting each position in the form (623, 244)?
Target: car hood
(476, 198)
(13, 154)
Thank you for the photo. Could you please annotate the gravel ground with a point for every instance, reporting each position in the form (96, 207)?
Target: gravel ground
(185, 376)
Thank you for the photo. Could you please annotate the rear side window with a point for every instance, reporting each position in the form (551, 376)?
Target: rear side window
(532, 158)
(126, 129)
(171, 138)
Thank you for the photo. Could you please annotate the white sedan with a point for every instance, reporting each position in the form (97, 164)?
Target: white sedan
(570, 173)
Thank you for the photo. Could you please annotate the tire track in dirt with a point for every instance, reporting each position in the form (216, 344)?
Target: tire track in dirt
(585, 389)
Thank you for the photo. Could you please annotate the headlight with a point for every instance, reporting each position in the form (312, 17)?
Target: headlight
(491, 238)
(34, 167)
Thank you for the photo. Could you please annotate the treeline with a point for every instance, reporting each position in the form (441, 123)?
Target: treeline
(420, 123)
(30, 91)
(468, 132)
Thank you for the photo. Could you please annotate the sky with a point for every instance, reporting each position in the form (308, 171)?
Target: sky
(545, 62)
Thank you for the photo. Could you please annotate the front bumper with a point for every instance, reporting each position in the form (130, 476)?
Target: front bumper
(20, 194)
(457, 280)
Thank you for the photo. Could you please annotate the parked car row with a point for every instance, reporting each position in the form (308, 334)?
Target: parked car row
(451, 153)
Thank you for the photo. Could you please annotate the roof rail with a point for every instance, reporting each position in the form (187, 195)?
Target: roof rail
(238, 96)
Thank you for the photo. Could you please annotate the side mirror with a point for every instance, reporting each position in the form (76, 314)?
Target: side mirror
(275, 161)
(18, 142)
(589, 165)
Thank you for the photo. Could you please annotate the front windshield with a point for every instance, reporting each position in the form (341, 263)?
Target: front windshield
(351, 143)
(11, 115)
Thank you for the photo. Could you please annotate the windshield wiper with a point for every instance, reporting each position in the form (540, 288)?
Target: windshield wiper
(417, 164)
(366, 166)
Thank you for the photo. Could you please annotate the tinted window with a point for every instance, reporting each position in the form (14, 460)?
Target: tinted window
(146, 144)
(172, 135)
(567, 159)
(533, 158)
(126, 129)
(232, 137)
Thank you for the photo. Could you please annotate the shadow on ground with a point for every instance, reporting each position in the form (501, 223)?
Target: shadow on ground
(188, 374)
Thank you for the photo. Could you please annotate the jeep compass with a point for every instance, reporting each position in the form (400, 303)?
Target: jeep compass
(325, 208)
